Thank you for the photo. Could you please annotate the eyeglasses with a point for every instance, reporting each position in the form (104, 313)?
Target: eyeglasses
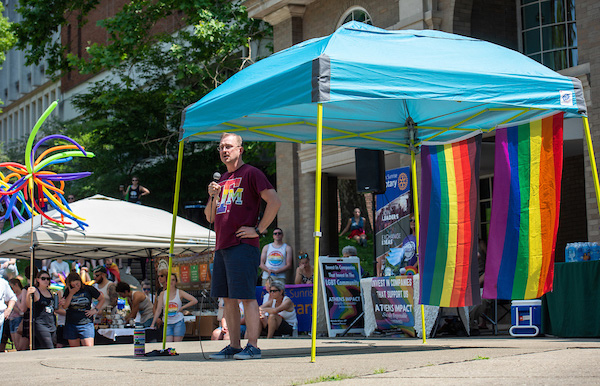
(45, 278)
(303, 256)
(277, 233)
(275, 290)
(221, 148)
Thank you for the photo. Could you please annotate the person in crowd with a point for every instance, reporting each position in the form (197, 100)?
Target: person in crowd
(147, 288)
(174, 308)
(161, 281)
(8, 268)
(78, 300)
(112, 271)
(221, 332)
(44, 322)
(82, 267)
(16, 317)
(276, 258)
(305, 270)
(237, 254)
(7, 303)
(350, 251)
(135, 191)
(105, 286)
(24, 331)
(61, 319)
(356, 225)
(59, 270)
(138, 302)
(278, 314)
(70, 198)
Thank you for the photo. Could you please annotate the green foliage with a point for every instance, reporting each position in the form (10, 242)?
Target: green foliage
(365, 254)
(131, 120)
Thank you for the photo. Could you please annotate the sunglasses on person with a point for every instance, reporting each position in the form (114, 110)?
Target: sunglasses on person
(275, 290)
(146, 289)
(162, 275)
(277, 233)
(303, 256)
(45, 278)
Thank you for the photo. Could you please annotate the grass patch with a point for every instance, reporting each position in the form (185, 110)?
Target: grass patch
(365, 254)
(379, 371)
(479, 358)
(326, 378)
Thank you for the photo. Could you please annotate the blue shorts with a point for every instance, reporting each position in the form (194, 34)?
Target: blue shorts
(78, 331)
(14, 324)
(177, 329)
(235, 272)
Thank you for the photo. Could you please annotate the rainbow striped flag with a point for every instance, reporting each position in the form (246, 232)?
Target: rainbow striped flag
(448, 219)
(525, 209)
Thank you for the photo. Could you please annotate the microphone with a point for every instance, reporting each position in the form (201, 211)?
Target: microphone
(216, 176)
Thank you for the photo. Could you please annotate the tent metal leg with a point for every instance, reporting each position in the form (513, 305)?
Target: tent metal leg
(317, 231)
(415, 191)
(592, 155)
(171, 247)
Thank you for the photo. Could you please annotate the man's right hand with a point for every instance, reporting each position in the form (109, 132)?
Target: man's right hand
(214, 189)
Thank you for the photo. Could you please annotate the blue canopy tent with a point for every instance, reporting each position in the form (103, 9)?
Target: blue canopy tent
(371, 88)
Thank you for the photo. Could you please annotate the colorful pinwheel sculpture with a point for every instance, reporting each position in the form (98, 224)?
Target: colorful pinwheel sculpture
(31, 182)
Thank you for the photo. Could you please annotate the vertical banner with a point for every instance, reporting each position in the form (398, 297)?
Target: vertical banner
(449, 233)
(341, 293)
(393, 239)
(525, 210)
(393, 303)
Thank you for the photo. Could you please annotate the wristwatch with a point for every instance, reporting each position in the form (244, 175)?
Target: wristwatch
(257, 231)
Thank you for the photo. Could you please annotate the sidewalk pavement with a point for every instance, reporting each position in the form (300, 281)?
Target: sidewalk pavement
(357, 361)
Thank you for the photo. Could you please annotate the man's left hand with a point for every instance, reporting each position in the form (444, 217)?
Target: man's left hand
(246, 233)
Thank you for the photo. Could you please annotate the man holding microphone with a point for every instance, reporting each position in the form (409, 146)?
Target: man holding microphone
(234, 208)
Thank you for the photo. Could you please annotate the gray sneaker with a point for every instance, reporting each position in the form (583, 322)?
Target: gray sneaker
(227, 353)
(249, 352)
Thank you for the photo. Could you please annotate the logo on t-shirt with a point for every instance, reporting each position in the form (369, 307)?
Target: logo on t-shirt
(231, 194)
(172, 309)
(275, 258)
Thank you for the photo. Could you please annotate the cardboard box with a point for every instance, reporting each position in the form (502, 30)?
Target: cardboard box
(203, 326)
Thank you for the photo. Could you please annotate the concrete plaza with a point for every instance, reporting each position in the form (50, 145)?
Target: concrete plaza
(364, 361)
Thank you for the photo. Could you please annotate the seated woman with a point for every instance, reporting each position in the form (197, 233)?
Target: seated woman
(222, 332)
(305, 270)
(356, 225)
(278, 315)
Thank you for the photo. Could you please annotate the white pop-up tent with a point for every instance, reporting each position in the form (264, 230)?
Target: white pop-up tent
(116, 229)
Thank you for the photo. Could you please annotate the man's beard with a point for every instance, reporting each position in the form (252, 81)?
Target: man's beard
(100, 279)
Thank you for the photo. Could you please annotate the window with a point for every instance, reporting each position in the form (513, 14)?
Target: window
(549, 32)
(356, 14)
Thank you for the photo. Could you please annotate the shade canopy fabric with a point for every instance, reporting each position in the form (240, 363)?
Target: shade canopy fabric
(375, 83)
(116, 229)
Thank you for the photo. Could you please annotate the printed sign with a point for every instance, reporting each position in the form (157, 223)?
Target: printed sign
(301, 296)
(393, 303)
(192, 269)
(341, 292)
(393, 238)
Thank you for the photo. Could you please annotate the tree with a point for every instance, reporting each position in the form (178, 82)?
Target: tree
(7, 39)
(131, 121)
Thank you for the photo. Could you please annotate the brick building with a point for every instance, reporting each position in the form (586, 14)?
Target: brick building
(562, 34)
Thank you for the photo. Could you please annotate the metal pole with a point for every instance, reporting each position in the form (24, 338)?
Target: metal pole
(172, 245)
(317, 231)
(592, 156)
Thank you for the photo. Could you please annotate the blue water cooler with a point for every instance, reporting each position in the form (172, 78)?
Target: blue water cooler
(526, 317)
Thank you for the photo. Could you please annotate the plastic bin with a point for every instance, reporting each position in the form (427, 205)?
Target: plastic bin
(526, 317)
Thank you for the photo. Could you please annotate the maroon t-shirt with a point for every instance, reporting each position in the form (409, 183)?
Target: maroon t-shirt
(239, 204)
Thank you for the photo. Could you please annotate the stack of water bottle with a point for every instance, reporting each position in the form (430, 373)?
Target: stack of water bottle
(582, 252)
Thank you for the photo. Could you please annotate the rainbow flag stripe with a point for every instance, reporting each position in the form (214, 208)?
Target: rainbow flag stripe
(448, 231)
(525, 209)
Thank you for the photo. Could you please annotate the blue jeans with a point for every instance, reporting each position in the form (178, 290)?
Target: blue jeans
(177, 329)
(79, 331)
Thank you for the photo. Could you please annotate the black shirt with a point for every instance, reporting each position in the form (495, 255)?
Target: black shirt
(80, 303)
